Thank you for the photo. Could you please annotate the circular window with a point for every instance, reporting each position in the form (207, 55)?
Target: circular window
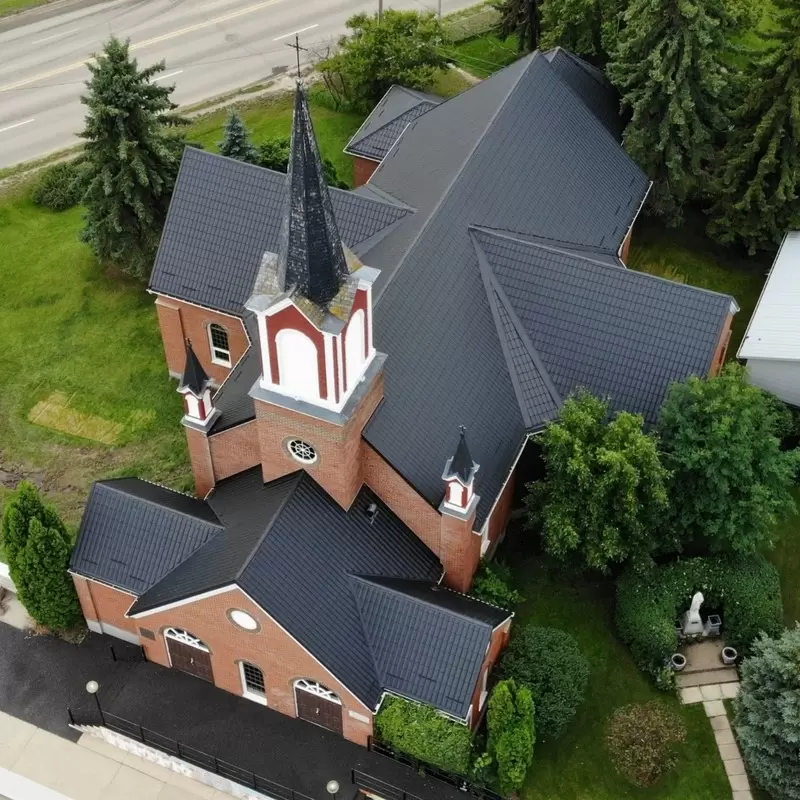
(242, 619)
(302, 451)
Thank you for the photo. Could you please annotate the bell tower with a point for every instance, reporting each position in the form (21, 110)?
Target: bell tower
(321, 377)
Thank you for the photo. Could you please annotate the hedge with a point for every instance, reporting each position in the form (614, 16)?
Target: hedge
(58, 187)
(422, 732)
(650, 602)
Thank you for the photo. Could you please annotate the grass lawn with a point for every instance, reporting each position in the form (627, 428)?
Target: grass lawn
(786, 557)
(577, 766)
(485, 54)
(67, 327)
(12, 6)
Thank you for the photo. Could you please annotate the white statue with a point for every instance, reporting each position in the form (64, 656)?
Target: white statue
(692, 622)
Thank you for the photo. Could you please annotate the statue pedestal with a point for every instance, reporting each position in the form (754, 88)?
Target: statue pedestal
(692, 624)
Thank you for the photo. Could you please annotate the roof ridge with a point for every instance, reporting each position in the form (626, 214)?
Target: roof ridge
(108, 481)
(372, 580)
(505, 233)
(611, 267)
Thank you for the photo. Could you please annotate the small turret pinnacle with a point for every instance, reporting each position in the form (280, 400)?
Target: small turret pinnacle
(194, 376)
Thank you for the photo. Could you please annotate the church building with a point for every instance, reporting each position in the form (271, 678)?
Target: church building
(361, 371)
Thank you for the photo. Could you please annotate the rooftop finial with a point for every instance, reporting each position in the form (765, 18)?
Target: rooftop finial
(296, 47)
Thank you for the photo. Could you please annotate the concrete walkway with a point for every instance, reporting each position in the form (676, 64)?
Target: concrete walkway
(37, 765)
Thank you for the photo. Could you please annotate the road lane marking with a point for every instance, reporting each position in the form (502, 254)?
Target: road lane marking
(164, 77)
(56, 36)
(16, 125)
(293, 33)
(146, 43)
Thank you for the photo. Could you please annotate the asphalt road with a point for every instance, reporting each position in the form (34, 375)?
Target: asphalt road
(210, 47)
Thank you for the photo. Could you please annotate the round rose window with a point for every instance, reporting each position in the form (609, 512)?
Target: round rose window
(243, 620)
(302, 451)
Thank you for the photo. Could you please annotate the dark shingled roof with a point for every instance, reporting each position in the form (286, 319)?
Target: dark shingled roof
(133, 533)
(619, 333)
(427, 642)
(382, 128)
(225, 214)
(518, 151)
(294, 551)
(194, 376)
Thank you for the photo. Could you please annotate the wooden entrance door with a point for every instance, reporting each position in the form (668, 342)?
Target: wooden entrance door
(321, 710)
(190, 659)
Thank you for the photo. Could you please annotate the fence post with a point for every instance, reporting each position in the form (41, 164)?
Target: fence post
(141, 735)
(113, 654)
(144, 653)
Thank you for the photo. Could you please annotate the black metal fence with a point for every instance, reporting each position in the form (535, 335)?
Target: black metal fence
(457, 781)
(192, 755)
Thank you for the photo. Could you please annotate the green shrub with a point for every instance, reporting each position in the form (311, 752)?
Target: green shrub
(642, 739)
(274, 154)
(509, 722)
(422, 732)
(58, 187)
(549, 663)
(493, 585)
(649, 603)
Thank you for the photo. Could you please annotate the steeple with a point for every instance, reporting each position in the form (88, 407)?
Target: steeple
(194, 376)
(195, 386)
(459, 475)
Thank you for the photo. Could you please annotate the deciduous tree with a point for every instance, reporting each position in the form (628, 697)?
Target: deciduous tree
(521, 18)
(767, 714)
(131, 160)
(730, 480)
(404, 48)
(669, 66)
(236, 141)
(758, 178)
(511, 733)
(604, 494)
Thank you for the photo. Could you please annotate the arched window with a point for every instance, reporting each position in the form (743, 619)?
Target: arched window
(220, 348)
(312, 687)
(185, 638)
(354, 348)
(298, 371)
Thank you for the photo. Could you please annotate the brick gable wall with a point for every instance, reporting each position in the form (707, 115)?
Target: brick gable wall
(234, 450)
(363, 169)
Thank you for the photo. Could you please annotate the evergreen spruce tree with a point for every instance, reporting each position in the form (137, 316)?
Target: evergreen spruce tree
(669, 68)
(131, 160)
(586, 27)
(758, 183)
(523, 18)
(767, 714)
(45, 586)
(236, 143)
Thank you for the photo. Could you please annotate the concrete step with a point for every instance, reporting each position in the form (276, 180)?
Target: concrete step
(706, 677)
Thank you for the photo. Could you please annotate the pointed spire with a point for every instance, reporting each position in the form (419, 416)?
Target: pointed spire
(311, 256)
(194, 376)
(461, 465)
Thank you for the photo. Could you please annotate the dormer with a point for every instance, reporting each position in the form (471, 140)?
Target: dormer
(313, 298)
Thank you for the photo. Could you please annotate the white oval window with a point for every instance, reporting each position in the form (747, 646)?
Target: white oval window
(302, 451)
(243, 620)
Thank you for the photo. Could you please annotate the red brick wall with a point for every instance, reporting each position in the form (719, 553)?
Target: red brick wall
(338, 465)
(363, 169)
(626, 247)
(722, 347)
(496, 647)
(180, 321)
(234, 450)
(401, 497)
(280, 657)
(104, 603)
(499, 517)
(200, 457)
(460, 552)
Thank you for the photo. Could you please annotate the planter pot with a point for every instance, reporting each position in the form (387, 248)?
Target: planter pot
(729, 655)
(677, 662)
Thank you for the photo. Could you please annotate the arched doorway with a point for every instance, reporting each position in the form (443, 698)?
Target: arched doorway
(318, 704)
(188, 654)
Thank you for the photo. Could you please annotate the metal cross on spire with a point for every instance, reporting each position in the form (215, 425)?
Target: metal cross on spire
(296, 47)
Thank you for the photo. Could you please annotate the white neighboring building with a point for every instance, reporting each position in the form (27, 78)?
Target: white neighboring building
(771, 344)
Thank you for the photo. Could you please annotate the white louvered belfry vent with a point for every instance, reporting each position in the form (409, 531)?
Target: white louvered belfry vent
(185, 637)
(318, 689)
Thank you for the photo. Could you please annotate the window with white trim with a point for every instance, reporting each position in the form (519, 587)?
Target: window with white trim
(185, 637)
(220, 348)
(302, 451)
(318, 689)
(253, 685)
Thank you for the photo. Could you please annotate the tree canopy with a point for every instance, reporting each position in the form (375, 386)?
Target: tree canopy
(669, 67)
(758, 177)
(586, 27)
(131, 161)
(404, 47)
(730, 480)
(767, 714)
(523, 19)
(511, 733)
(605, 492)
(236, 140)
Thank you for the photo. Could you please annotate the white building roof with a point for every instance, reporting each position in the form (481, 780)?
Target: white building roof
(774, 330)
